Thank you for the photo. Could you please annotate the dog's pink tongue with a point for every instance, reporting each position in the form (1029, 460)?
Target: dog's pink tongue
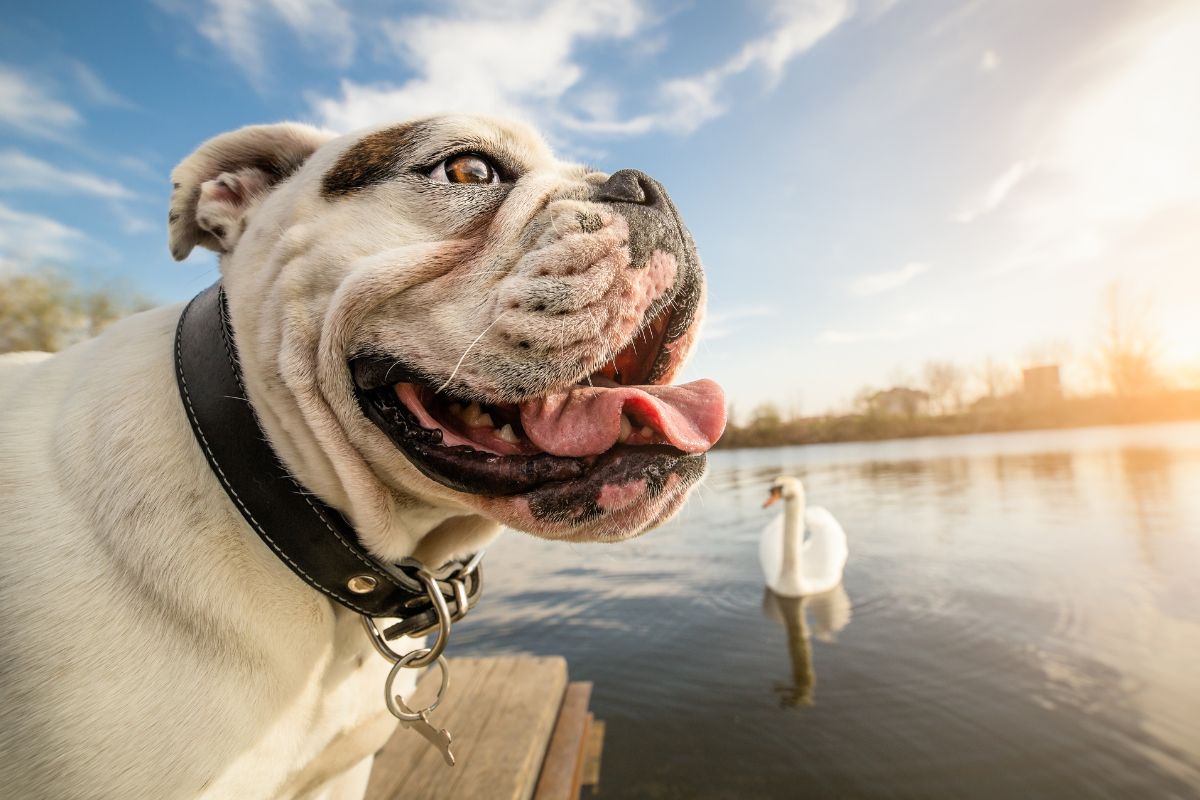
(586, 420)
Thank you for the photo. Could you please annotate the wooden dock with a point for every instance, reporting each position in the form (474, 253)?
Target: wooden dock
(521, 729)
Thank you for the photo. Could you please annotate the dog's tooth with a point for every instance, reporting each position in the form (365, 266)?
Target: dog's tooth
(483, 421)
(508, 434)
(470, 414)
(647, 432)
(626, 429)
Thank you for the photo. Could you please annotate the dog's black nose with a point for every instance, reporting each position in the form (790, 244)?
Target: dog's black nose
(630, 186)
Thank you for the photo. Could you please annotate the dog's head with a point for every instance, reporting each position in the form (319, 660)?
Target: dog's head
(440, 321)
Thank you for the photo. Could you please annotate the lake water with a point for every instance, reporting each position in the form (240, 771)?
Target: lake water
(1020, 618)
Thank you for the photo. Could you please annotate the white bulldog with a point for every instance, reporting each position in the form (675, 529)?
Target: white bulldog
(441, 329)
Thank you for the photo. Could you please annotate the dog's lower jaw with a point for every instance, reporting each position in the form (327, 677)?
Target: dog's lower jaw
(624, 518)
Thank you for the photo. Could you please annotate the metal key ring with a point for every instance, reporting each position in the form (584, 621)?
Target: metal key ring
(406, 661)
(425, 656)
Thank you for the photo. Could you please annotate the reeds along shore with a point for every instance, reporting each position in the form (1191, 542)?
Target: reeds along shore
(990, 416)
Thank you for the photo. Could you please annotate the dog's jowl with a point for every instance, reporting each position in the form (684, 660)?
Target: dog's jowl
(440, 329)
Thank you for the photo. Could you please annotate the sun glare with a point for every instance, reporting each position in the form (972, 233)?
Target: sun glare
(1130, 143)
(1128, 167)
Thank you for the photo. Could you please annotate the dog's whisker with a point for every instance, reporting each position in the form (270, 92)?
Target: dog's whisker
(463, 357)
(388, 374)
(599, 338)
(554, 225)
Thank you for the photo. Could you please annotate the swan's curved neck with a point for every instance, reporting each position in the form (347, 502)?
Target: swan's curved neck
(793, 533)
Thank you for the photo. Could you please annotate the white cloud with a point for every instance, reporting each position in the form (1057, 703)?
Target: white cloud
(879, 282)
(989, 61)
(1127, 147)
(19, 171)
(902, 324)
(95, 89)
(29, 107)
(1117, 161)
(515, 61)
(996, 193)
(133, 223)
(465, 59)
(687, 103)
(798, 26)
(838, 336)
(237, 27)
(719, 324)
(832, 336)
(30, 241)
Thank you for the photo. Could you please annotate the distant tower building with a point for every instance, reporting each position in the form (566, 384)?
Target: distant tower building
(1042, 383)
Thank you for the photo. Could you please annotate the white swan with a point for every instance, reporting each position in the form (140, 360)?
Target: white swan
(794, 565)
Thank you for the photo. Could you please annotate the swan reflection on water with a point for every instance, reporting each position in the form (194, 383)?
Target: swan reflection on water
(821, 615)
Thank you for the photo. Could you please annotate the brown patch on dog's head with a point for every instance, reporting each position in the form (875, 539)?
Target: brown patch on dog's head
(371, 160)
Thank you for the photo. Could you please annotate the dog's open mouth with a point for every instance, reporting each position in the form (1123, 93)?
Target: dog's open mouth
(572, 447)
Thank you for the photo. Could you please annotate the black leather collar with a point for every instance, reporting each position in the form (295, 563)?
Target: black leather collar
(313, 539)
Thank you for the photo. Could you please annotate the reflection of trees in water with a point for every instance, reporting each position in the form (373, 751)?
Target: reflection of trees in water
(904, 488)
(951, 476)
(1147, 475)
(1053, 474)
(754, 477)
(830, 613)
(1047, 466)
(1050, 466)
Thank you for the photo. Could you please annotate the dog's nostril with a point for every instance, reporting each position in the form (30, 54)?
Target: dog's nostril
(628, 186)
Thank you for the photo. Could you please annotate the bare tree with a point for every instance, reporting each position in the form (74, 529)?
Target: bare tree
(1128, 353)
(901, 377)
(766, 415)
(45, 311)
(945, 383)
(864, 400)
(996, 378)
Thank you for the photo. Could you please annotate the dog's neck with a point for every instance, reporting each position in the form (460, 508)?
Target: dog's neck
(312, 538)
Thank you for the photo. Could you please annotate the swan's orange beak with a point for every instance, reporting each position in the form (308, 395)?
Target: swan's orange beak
(776, 494)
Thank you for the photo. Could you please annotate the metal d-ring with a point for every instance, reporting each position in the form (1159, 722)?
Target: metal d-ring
(443, 622)
(426, 655)
(409, 660)
(461, 600)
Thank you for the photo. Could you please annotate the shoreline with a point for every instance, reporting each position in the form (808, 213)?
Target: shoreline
(999, 417)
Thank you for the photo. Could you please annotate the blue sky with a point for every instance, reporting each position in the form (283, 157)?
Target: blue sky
(872, 184)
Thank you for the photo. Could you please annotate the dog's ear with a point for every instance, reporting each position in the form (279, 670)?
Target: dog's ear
(215, 187)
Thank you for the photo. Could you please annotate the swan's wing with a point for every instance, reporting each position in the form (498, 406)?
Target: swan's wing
(825, 551)
(770, 550)
(824, 531)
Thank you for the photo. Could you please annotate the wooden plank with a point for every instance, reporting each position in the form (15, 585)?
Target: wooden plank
(563, 765)
(593, 749)
(501, 712)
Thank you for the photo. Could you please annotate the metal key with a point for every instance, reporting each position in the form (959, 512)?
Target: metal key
(438, 737)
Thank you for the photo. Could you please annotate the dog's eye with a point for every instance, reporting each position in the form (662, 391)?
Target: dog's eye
(466, 168)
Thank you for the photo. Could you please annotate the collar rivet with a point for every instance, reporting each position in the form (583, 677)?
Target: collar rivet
(362, 584)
